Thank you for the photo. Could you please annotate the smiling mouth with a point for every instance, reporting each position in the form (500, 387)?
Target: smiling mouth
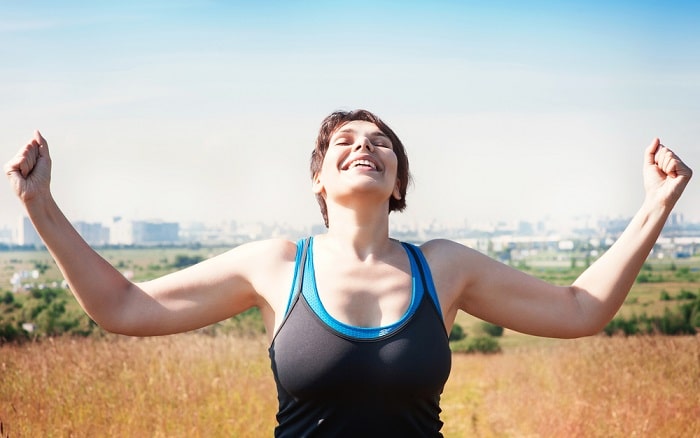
(365, 164)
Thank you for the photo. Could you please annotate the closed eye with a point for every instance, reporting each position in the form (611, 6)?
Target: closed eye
(381, 140)
(342, 140)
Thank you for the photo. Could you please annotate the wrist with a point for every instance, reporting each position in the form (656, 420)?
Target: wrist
(655, 210)
(39, 205)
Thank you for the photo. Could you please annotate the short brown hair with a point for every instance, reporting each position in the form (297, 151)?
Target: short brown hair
(339, 118)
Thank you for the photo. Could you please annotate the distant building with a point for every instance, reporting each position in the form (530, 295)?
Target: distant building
(123, 232)
(525, 228)
(93, 233)
(6, 236)
(675, 219)
(153, 233)
(26, 233)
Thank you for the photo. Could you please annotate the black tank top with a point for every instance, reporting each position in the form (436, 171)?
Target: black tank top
(336, 380)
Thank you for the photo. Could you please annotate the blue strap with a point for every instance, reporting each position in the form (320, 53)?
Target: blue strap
(426, 276)
(299, 263)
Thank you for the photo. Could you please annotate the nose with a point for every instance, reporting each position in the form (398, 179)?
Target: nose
(363, 143)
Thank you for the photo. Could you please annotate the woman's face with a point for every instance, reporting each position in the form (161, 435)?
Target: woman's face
(360, 159)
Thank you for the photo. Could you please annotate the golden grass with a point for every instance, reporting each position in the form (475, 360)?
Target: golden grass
(595, 387)
(194, 385)
(189, 385)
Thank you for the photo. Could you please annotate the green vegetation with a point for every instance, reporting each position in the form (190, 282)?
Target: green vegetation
(184, 260)
(41, 313)
(51, 312)
(41, 308)
(664, 299)
(481, 344)
(487, 343)
(457, 333)
(683, 320)
(492, 329)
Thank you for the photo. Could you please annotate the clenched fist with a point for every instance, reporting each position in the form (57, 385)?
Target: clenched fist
(29, 171)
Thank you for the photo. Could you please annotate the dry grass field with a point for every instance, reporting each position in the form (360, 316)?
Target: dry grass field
(594, 387)
(195, 385)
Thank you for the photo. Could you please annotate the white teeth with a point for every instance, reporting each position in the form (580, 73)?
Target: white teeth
(362, 163)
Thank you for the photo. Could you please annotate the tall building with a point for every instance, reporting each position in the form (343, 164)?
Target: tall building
(675, 219)
(26, 233)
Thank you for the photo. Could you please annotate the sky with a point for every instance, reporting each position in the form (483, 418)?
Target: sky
(208, 110)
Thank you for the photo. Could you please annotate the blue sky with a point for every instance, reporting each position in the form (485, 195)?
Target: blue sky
(187, 110)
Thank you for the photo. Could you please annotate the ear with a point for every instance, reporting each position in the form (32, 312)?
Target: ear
(397, 190)
(317, 185)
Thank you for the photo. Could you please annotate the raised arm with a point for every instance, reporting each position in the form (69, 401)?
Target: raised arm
(602, 288)
(498, 293)
(195, 297)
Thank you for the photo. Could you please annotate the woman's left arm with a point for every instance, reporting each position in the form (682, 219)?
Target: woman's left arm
(500, 294)
(602, 288)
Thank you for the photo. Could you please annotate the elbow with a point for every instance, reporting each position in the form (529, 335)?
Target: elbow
(123, 329)
(590, 316)
(111, 325)
(115, 322)
(115, 329)
(587, 327)
(126, 327)
(576, 332)
(128, 316)
(599, 328)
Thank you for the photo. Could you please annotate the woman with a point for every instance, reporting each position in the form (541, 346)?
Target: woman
(358, 322)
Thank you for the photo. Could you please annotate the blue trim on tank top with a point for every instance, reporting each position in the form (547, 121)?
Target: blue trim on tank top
(310, 293)
(300, 248)
(428, 277)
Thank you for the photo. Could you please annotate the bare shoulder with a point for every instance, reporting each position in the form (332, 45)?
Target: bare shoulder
(459, 271)
(267, 265)
(452, 259)
(261, 258)
(269, 250)
(443, 253)
(243, 264)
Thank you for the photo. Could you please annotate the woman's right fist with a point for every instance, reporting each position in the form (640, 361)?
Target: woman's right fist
(29, 171)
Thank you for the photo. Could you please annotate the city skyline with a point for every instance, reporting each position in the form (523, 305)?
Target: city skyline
(127, 228)
(189, 111)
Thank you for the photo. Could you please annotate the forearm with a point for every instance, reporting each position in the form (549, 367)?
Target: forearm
(602, 288)
(99, 288)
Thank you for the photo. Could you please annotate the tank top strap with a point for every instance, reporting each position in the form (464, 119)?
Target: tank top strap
(299, 263)
(426, 277)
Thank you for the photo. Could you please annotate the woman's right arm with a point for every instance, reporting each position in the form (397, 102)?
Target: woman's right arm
(192, 298)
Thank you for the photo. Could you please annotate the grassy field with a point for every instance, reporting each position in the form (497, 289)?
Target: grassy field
(198, 385)
(195, 385)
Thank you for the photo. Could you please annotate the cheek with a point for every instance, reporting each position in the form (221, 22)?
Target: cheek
(392, 162)
(328, 167)
(326, 172)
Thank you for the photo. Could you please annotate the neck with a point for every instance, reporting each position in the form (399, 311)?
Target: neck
(363, 232)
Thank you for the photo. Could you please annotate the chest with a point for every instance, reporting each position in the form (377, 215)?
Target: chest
(364, 294)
